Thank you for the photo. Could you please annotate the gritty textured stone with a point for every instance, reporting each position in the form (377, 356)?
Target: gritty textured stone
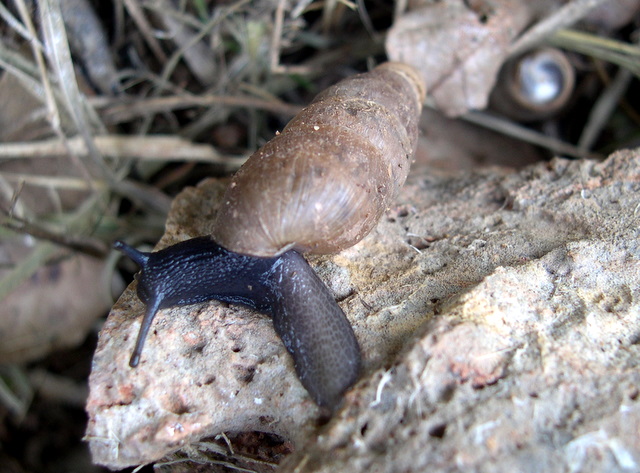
(499, 318)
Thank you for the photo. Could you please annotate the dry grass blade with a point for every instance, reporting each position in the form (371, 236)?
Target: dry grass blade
(51, 236)
(18, 27)
(228, 465)
(159, 148)
(622, 54)
(197, 54)
(87, 245)
(34, 78)
(603, 108)
(144, 195)
(41, 253)
(171, 64)
(58, 48)
(15, 393)
(145, 29)
(566, 16)
(115, 111)
(207, 453)
(528, 135)
(46, 181)
(10, 194)
(14, 63)
(276, 40)
(89, 43)
(215, 448)
(70, 112)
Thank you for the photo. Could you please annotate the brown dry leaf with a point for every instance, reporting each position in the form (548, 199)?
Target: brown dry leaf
(458, 49)
(56, 308)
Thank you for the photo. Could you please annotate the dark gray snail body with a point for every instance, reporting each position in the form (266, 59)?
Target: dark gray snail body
(320, 186)
(285, 287)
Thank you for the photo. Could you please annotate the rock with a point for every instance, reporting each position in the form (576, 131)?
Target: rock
(499, 318)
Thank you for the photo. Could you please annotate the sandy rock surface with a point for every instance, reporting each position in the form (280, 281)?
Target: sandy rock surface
(498, 315)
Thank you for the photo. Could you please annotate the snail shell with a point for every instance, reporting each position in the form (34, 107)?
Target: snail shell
(322, 184)
(535, 86)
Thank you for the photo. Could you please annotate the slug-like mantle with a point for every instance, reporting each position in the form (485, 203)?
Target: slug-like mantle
(305, 315)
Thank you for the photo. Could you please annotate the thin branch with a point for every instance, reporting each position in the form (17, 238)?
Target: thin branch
(153, 147)
(526, 134)
(602, 109)
(566, 16)
(116, 110)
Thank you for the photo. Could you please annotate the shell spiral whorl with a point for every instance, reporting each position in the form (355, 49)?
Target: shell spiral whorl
(322, 184)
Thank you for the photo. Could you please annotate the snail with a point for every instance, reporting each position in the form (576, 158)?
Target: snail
(318, 187)
(534, 86)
